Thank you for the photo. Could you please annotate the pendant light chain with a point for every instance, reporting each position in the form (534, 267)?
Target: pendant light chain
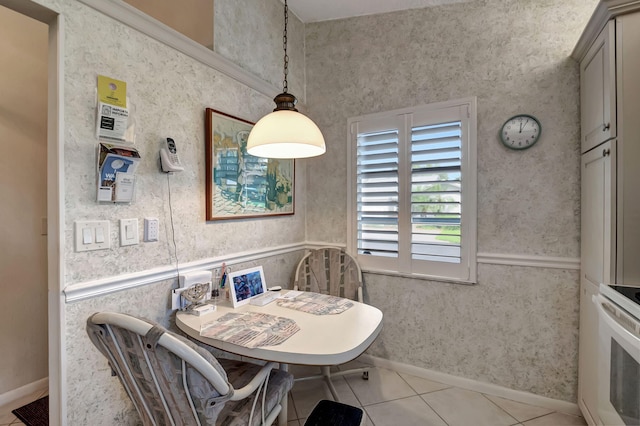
(284, 42)
(285, 133)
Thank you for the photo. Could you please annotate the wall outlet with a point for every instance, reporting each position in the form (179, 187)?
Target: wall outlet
(151, 229)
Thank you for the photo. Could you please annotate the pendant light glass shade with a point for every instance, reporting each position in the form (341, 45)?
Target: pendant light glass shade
(285, 134)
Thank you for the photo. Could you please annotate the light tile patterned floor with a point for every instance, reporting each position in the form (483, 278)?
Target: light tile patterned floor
(398, 399)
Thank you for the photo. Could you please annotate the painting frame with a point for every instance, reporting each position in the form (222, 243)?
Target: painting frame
(239, 185)
(246, 279)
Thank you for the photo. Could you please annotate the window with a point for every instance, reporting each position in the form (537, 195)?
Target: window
(412, 190)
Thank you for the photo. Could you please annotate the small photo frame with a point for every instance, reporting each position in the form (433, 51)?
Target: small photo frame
(246, 284)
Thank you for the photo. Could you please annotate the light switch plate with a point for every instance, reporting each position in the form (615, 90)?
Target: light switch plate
(129, 232)
(89, 229)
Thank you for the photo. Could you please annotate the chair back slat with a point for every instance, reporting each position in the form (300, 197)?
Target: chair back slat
(329, 270)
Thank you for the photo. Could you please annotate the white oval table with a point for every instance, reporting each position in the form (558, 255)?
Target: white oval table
(322, 339)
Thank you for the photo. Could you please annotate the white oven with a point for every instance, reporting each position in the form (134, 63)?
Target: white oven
(618, 356)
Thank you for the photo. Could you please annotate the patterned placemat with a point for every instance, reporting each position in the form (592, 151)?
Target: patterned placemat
(317, 304)
(250, 329)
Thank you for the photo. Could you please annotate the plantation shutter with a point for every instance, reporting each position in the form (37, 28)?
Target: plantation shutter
(377, 193)
(412, 191)
(436, 192)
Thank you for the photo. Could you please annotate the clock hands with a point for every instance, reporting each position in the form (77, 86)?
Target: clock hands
(523, 125)
(520, 132)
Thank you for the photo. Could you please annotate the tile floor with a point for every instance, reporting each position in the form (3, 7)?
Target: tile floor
(397, 399)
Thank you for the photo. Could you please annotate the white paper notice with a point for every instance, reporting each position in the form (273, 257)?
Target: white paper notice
(124, 187)
(112, 122)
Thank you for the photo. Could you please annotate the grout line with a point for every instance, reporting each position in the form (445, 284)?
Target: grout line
(354, 392)
(433, 409)
(293, 404)
(500, 408)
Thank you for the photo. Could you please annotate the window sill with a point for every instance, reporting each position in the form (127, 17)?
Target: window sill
(417, 276)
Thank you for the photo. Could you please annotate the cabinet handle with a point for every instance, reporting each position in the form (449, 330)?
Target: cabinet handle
(605, 127)
(606, 152)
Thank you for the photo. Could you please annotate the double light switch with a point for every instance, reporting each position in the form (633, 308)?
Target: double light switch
(92, 235)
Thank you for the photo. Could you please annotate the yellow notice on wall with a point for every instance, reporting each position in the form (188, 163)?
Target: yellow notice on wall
(112, 92)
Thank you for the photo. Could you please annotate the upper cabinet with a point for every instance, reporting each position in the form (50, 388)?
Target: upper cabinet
(598, 90)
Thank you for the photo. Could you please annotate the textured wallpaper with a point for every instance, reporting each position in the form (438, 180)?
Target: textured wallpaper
(514, 57)
(168, 93)
(237, 26)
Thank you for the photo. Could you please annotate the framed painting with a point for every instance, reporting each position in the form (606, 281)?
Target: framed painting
(240, 185)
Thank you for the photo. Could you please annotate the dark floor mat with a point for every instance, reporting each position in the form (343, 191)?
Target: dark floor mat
(35, 413)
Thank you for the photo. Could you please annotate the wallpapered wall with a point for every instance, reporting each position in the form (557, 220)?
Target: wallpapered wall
(237, 26)
(518, 327)
(169, 93)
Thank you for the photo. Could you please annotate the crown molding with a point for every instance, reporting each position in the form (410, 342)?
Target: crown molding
(134, 18)
(605, 11)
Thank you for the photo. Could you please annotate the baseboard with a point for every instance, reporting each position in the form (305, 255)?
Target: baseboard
(14, 395)
(474, 385)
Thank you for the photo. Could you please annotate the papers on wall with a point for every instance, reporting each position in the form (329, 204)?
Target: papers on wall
(116, 168)
(113, 119)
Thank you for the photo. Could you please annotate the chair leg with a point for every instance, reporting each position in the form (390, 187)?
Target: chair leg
(284, 403)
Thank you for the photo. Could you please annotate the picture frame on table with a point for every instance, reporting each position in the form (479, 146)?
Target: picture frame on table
(239, 185)
(245, 284)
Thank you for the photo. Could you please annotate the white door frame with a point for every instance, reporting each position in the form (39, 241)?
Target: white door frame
(55, 203)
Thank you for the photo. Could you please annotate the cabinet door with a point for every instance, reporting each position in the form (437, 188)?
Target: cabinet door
(597, 247)
(598, 90)
(588, 354)
(628, 165)
(597, 263)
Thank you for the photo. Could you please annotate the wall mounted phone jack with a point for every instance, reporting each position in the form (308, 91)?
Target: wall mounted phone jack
(169, 159)
(151, 229)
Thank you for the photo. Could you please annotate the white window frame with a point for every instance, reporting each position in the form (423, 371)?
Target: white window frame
(463, 110)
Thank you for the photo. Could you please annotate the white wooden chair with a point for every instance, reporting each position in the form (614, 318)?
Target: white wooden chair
(332, 271)
(173, 381)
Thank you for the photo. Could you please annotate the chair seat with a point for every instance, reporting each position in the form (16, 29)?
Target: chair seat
(239, 374)
(331, 413)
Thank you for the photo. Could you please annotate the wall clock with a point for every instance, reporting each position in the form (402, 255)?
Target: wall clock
(520, 131)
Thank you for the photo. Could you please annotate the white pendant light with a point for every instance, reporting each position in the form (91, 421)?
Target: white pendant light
(285, 133)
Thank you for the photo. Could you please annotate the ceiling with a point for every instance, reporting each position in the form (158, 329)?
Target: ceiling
(326, 10)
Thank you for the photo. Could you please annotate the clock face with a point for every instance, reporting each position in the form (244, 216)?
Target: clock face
(520, 132)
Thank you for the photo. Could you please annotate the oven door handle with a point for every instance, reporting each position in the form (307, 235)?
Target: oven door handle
(607, 316)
